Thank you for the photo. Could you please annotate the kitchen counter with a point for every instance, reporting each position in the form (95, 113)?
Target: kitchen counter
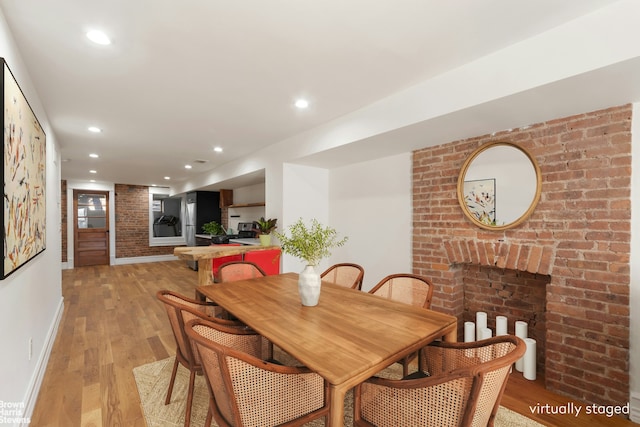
(204, 236)
(250, 242)
(204, 254)
(233, 238)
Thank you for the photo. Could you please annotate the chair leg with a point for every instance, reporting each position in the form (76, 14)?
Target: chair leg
(207, 422)
(173, 378)
(406, 362)
(187, 415)
(405, 366)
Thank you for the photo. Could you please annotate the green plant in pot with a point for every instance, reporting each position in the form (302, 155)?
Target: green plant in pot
(213, 228)
(264, 227)
(311, 244)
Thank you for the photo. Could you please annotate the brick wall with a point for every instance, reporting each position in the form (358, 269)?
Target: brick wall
(578, 236)
(63, 219)
(224, 212)
(132, 223)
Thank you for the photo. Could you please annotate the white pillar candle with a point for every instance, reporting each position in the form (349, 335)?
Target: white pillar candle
(469, 331)
(521, 332)
(501, 325)
(481, 323)
(529, 371)
(486, 333)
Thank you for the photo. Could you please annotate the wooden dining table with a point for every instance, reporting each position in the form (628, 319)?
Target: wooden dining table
(348, 337)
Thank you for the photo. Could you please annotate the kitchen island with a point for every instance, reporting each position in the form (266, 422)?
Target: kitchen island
(204, 254)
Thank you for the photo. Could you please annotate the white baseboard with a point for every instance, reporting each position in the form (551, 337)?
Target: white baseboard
(141, 259)
(41, 365)
(132, 260)
(635, 408)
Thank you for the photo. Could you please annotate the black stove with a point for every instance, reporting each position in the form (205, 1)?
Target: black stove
(246, 230)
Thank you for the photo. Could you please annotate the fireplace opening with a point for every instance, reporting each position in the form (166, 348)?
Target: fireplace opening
(518, 295)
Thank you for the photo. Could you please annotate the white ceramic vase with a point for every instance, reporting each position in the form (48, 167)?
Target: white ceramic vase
(309, 286)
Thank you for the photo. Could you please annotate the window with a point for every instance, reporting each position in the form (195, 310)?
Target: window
(92, 211)
(166, 227)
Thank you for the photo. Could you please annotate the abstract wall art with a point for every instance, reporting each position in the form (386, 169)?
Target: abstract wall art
(480, 198)
(23, 169)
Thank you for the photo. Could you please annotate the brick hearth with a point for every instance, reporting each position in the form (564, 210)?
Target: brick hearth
(568, 263)
(515, 256)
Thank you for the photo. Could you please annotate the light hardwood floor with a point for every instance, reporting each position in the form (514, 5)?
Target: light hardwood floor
(112, 323)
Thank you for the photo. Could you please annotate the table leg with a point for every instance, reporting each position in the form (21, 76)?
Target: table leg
(336, 415)
(205, 272)
(451, 336)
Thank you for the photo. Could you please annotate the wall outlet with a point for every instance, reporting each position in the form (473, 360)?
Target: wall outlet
(30, 348)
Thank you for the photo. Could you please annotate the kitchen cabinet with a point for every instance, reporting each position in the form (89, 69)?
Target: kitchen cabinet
(226, 198)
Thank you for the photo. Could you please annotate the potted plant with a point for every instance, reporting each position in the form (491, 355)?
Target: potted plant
(311, 244)
(214, 229)
(264, 227)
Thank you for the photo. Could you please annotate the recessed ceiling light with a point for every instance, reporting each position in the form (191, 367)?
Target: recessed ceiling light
(302, 103)
(94, 129)
(217, 149)
(93, 155)
(187, 166)
(92, 171)
(167, 177)
(92, 180)
(98, 37)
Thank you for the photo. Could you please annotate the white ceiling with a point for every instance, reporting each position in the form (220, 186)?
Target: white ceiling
(183, 77)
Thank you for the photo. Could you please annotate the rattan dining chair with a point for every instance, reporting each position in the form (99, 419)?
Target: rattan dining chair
(247, 391)
(180, 309)
(344, 274)
(409, 289)
(464, 388)
(239, 270)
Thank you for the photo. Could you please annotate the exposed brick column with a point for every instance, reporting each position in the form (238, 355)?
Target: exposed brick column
(63, 219)
(577, 240)
(132, 223)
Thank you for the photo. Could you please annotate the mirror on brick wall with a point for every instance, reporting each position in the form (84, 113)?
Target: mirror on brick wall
(499, 185)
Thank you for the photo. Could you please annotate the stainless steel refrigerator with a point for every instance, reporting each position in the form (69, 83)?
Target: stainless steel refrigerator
(202, 207)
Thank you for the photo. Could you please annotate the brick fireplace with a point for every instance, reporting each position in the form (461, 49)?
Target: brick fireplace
(565, 270)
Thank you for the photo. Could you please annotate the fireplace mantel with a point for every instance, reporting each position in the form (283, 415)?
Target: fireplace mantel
(527, 257)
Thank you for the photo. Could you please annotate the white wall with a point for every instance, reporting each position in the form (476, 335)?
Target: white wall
(371, 203)
(305, 194)
(31, 297)
(248, 194)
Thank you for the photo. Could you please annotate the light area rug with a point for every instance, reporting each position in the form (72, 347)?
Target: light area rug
(153, 378)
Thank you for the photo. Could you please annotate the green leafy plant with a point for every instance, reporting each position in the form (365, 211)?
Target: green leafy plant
(265, 226)
(311, 244)
(213, 228)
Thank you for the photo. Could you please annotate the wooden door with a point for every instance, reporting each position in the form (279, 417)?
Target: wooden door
(91, 227)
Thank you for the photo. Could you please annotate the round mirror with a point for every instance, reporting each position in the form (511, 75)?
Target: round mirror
(499, 186)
